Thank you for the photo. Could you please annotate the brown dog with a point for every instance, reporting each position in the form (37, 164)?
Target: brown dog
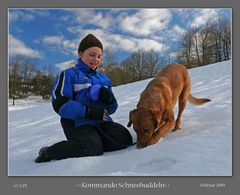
(154, 116)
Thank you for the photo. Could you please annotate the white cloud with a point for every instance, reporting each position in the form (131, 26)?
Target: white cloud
(42, 12)
(178, 30)
(65, 18)
(19, 15)
(99, 20)
(142, 22)
(85, 16)
(120, 41)
(173, 54)
(185, 13)
(66, 65)
(60, 44)
(17, 47)
(146, 21)
(204, 16)
(69, 44)
(149, 44)
(129, 44)
(175, 33)
(26, 14)
(53, 40)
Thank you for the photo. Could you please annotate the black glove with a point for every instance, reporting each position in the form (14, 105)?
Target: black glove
(106, 96)
(94, 113)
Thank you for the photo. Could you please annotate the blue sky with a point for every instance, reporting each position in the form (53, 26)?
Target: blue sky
(52, 36)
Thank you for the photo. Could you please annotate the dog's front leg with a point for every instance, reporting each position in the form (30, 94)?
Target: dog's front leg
(166, 127)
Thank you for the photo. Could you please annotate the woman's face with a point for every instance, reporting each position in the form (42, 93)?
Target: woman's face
(91, 57)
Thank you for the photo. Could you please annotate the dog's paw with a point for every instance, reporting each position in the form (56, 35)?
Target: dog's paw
(176, 128)
(154, 141)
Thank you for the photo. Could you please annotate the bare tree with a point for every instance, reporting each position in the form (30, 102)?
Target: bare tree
(128, 70)
(109, 59)
(195, 37)
(48, 70)
(185, 53)
(141, 65)
(216, 33)
(152, 63)
(226, 38)
(27, 68)
(25, 79)
(14, 78)
(207, 44)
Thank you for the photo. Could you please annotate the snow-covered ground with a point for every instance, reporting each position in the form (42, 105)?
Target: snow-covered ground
(203, 147)
(25, 103)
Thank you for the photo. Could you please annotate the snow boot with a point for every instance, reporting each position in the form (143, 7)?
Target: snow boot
(43, 156)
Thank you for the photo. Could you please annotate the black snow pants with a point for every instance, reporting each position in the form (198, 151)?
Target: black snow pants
(89, 140)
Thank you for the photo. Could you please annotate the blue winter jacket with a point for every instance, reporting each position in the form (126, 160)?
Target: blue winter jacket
(70, 96)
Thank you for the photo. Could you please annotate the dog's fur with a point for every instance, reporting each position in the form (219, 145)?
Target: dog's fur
(154, 116)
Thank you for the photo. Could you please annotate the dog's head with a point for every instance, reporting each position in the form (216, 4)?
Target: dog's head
(145, 121)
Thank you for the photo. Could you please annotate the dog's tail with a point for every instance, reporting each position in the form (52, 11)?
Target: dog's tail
(197, 101)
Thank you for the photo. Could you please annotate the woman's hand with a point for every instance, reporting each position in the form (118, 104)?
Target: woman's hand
(98, 92)
(96, 113)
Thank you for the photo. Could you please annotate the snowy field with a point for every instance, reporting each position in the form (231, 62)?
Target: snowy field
(203, 147)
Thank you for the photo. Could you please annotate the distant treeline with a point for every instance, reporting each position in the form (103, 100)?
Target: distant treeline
(207, 44)
(26, 79)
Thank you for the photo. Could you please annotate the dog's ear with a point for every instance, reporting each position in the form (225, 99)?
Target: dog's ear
(157, 116)
(130, 117)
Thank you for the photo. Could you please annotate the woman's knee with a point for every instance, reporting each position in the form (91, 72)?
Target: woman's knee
(92, 145)
(115, 136)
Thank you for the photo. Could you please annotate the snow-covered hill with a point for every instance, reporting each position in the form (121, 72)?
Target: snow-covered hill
(203, 147)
